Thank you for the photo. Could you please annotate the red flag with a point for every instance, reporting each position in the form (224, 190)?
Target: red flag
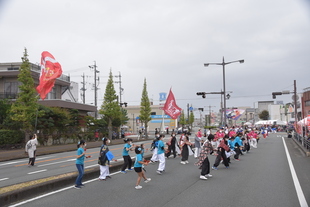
(171, 107)
(50, 71)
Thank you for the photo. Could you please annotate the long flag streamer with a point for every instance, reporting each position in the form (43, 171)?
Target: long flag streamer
(50, 71)
(171, 107)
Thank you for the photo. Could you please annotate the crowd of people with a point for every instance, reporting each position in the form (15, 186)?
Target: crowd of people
(226, 144)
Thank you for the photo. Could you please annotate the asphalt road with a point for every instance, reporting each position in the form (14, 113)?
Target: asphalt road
(17, 171)
(262, 178)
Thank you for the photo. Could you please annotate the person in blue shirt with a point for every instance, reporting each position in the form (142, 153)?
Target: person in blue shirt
(237, 143)
(80, 156)
(161, 155)
(127, 159)
(138, 167)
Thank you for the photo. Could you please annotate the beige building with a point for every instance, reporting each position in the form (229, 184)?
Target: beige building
(159, 120)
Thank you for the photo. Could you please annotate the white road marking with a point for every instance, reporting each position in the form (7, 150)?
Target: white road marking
(2, 179)
(54, 192)
(300, 194)
(37, 171)
(54, 163)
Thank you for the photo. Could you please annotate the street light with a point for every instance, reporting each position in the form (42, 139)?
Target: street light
(224, 88)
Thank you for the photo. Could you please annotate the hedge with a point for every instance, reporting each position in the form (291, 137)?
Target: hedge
(11, 137)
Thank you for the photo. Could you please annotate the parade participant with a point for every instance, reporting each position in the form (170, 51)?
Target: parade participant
(138, 167)
(203, 162)
(232, 132)
(127, 159)
(172, 146)
(31, 148)
(154, 148)
(237, 144)
(198, 140)
(222, 149)
(105, 156)
(80, 156)
(246, 142)
(186, 150)
(161, 155)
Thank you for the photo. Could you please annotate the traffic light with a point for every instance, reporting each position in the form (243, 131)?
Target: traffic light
(125, 103)
(203, 94)
(274, 94)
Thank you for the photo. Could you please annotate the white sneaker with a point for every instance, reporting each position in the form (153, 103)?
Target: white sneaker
(147, 180)
(208, 175)
(158, 172)
(203, 177)
(138, 187)
(182, 162)
(186, 162)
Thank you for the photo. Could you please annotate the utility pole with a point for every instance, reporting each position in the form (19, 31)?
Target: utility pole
(210, 114)
(95, 85)
(83, 89)
(120, 86)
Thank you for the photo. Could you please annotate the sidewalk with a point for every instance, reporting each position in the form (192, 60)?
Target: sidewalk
(6, 155)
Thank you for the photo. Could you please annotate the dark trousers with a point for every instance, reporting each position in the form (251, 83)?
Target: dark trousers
(127, 162)
(238, 152)
(205, 168)
(218, 158)
(32, 160)
(184, 153)
(171, 150)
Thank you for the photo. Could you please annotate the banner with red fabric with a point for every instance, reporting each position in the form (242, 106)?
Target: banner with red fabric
(50, 71)
(171, 107)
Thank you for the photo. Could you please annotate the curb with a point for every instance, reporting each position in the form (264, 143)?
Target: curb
(53, 185)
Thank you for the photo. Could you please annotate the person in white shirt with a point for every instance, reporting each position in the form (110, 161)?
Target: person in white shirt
(31, 148)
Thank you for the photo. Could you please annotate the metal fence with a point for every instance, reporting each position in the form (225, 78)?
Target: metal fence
(304, 141)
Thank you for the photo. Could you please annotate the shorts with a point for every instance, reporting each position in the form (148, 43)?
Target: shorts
(138, 169)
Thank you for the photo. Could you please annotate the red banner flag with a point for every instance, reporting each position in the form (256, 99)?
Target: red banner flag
(171, 107)
(50, 71)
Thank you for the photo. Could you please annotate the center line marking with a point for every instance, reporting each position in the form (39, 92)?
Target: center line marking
(37, 171)
(2, 179)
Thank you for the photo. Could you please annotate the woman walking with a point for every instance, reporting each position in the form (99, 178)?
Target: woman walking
(80, 156)
(31, 148)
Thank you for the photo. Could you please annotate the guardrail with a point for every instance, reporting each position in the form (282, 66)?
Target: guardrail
(303, 141)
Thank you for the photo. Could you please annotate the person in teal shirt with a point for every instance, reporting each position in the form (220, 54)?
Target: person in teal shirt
(127, 159)
(161, 155)
(138, 167)
(80, 156)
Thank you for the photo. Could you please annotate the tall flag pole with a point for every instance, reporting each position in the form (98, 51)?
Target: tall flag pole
(171, 108)
(50, 71)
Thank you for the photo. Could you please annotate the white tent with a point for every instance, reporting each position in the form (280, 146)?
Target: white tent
(270, 122)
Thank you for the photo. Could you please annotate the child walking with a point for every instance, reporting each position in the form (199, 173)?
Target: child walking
(127, 159)
(80, 156)
(138, 167)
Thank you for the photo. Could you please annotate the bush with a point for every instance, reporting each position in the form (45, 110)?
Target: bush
(11, 137)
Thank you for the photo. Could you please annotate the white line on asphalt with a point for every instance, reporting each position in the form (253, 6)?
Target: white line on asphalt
(37, 171)
(54, 192)
(54, 163)
(2, 179)
(300, 194)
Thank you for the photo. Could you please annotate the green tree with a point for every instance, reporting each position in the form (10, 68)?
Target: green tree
(191, 119)
(4, 111)
(25, 108)
(110, 108)
(145, 109)
(182, 119)
(264, 115)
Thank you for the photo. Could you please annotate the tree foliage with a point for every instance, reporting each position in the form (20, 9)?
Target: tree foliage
(264, 115)
(24, 109)
(191, 119)
(145, 108)
(182, 121)
(110, 108)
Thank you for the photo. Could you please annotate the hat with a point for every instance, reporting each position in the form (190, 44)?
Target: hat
(103, 138)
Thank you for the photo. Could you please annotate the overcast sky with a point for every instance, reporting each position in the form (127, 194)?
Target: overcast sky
(167, 42)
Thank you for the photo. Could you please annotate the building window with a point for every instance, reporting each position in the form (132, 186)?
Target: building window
(153, 113)
(307, 103)
(13, 68)
(52, 94)
(11, 89)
